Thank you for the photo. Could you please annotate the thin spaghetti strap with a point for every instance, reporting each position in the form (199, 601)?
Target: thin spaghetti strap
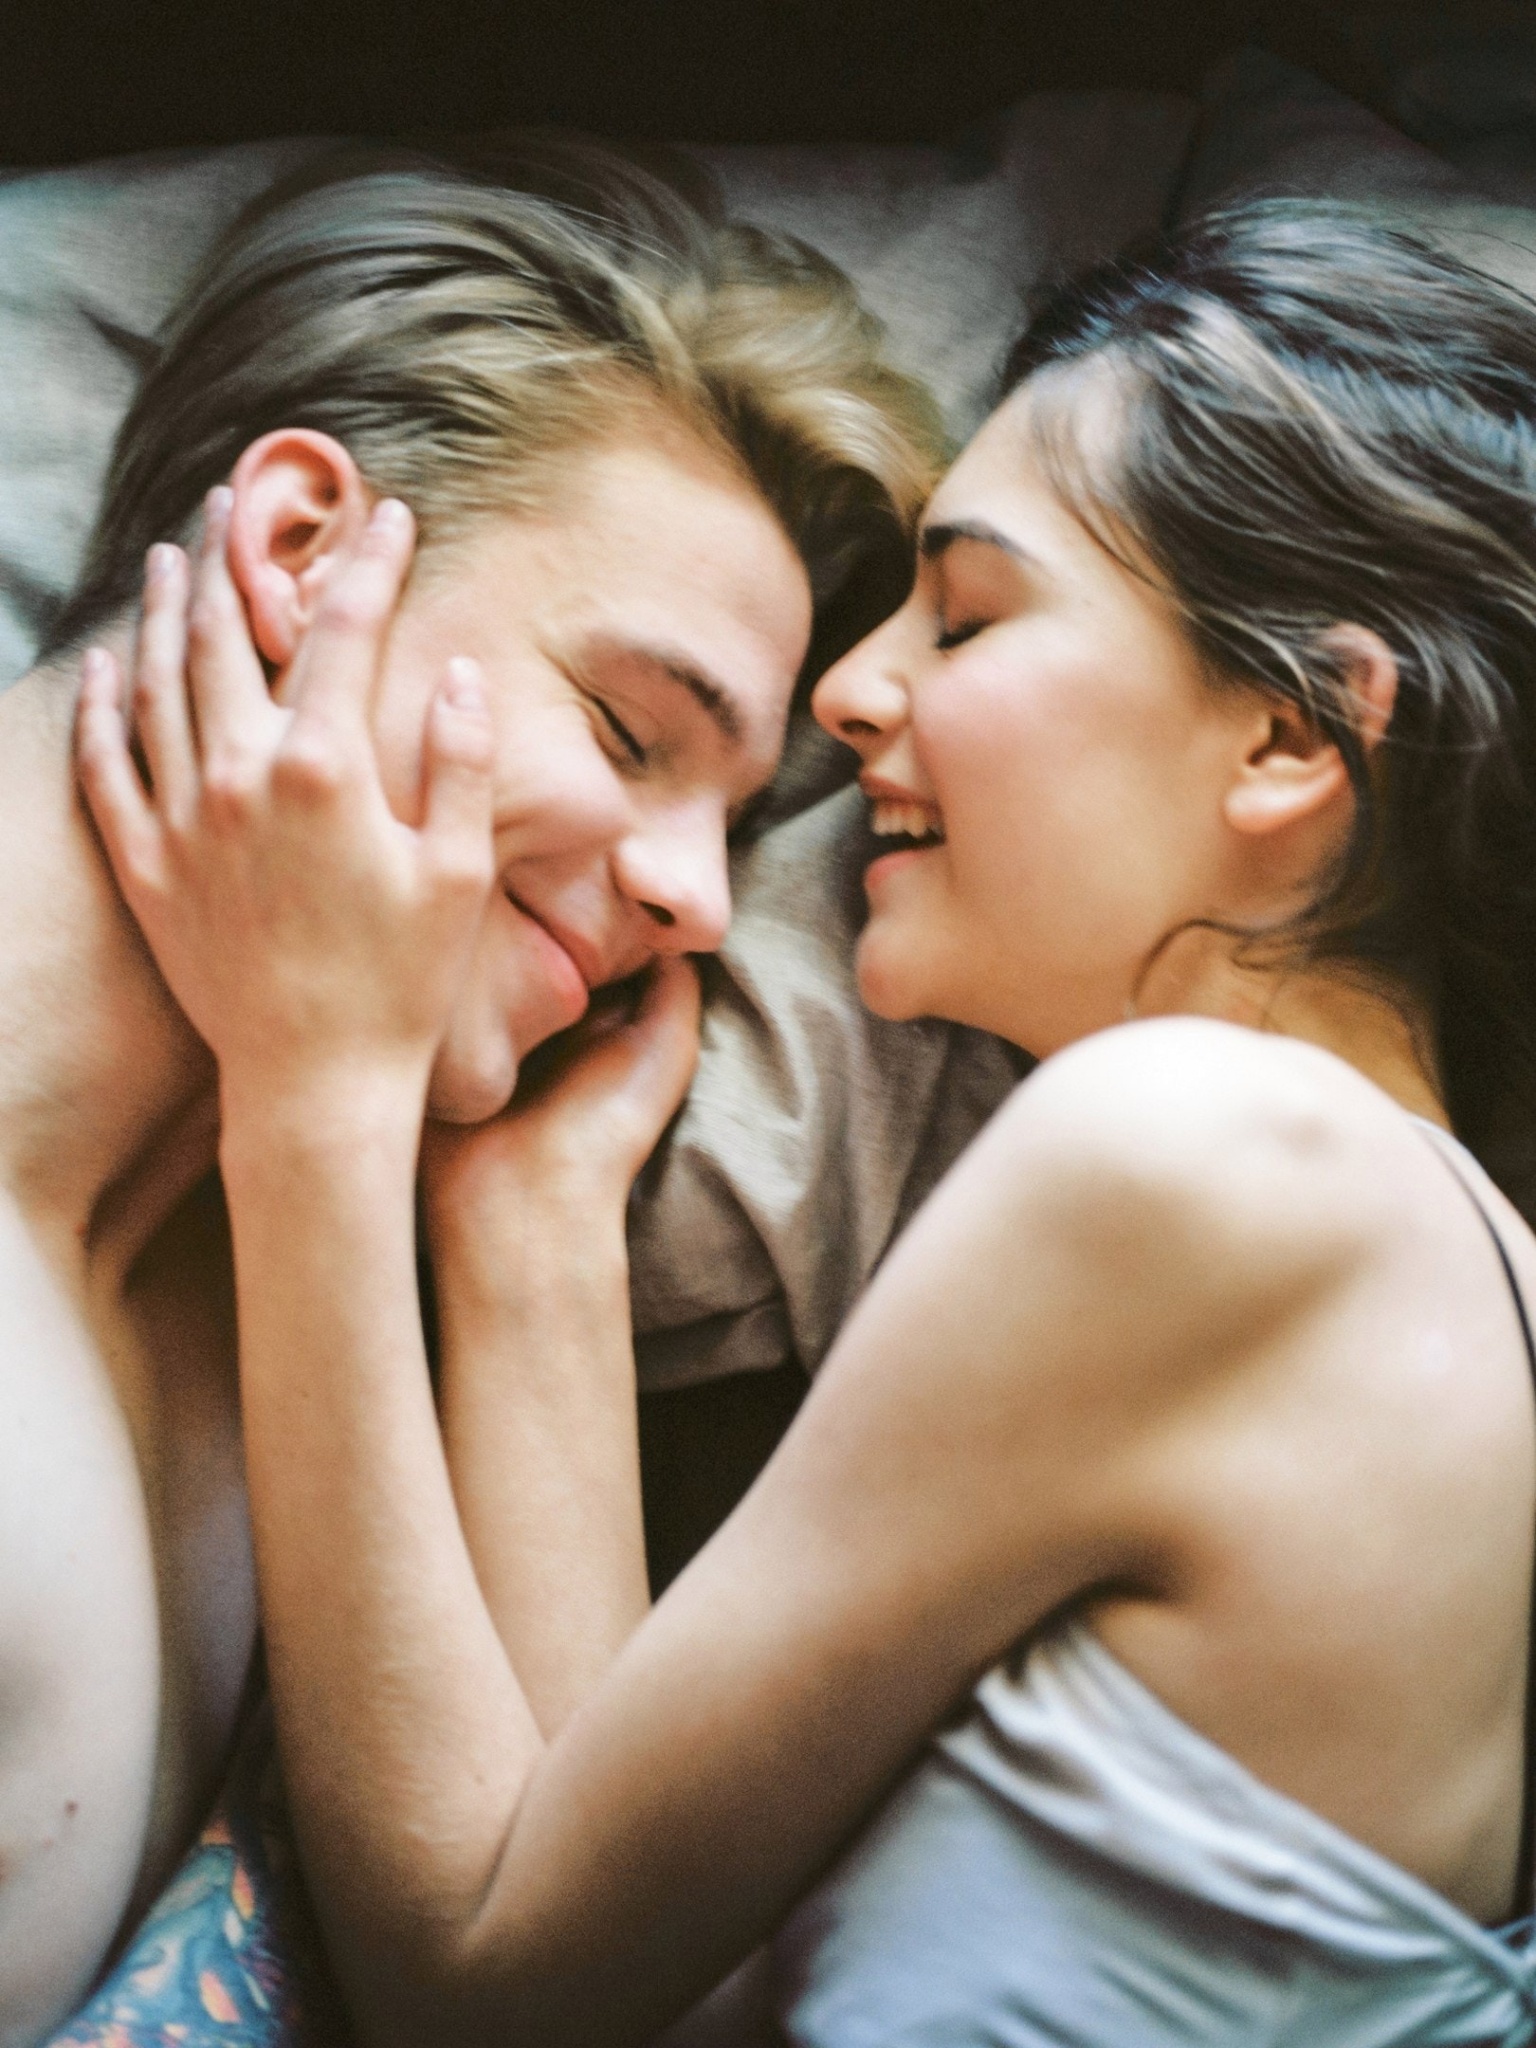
(1443, 1145)
(1449, 1150)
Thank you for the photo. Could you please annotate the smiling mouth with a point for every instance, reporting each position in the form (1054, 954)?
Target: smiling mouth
(566, 959)
(901, 827)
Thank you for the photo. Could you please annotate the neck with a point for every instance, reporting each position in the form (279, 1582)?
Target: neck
(1378, 1027)
(107, 1097)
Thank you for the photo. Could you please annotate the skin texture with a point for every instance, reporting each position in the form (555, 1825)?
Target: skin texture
(126, 1574)
(1200, 1334)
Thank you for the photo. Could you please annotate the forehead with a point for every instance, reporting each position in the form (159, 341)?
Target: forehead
(1008, 479)
(653, 542)
(672, 520)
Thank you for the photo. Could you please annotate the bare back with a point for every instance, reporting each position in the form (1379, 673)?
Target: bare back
(1346, 1596)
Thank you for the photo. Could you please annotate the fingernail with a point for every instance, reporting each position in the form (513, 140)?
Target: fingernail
(391, 515)
(93, 666)
(160, 561)
(218, 502)
(462, 684)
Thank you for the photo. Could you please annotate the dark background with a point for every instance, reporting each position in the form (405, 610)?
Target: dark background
(97, 77)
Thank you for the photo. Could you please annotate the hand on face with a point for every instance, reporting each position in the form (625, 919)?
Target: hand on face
(637, 645)
(589, 1110)
(315, 941)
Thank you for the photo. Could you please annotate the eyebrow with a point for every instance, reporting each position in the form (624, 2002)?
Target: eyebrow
(712, 696)
(936, 540)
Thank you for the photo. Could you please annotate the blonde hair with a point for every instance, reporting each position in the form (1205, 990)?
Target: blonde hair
(459, 337)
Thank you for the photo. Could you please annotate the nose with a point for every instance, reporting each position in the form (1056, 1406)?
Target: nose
(673, 869)
(862, 699)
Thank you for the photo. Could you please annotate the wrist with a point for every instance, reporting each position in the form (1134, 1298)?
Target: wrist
(528, 1263)
(327, 1113)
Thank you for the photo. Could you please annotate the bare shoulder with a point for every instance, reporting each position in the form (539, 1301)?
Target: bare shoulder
(1075, 1305)
(1160, 1192)
(1185, 1124)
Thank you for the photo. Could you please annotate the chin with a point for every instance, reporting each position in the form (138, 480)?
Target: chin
(460, 1095)
(886, 986)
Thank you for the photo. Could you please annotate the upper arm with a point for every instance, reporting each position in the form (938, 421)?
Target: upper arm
(78, 1655)
(980, 1447)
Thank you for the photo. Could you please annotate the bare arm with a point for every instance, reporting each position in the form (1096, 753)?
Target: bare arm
(986, 1441)
(537, 1383)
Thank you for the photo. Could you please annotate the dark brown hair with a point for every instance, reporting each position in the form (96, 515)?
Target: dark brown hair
(1323, 418)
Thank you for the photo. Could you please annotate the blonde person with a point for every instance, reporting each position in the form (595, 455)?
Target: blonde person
(1129, 1641)
(643, 453)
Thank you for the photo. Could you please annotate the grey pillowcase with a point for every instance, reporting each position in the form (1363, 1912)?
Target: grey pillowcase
(952, 247)
(91, 261)
(812, 1131)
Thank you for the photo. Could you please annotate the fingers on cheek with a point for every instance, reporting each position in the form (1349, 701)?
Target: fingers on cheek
(165, 580)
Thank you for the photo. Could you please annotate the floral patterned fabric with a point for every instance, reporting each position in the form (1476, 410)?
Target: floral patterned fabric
(228, 1957)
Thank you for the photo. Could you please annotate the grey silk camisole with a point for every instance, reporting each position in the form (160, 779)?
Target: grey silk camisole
(1070, 1865)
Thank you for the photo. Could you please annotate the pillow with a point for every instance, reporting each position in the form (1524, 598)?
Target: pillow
(1267, 126)
(91, 261)
(1466, 87)
(945, 242)
(949, 246)
(813, 1128)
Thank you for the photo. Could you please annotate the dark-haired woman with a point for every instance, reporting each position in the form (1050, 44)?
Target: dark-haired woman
(1130, 1640)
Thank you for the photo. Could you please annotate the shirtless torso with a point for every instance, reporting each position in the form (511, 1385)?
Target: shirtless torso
(127, 1604)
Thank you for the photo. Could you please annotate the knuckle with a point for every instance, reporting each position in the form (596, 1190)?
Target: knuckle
(144, 698)
(310, 767)
(230, 786)
(141, 868)
(355, 604)
(204, 619)
(468, 745)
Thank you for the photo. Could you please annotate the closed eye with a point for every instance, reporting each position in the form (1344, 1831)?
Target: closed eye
(622, 734)
(956, 636)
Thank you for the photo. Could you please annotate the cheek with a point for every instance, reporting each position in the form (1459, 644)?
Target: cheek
(1066, 773)
(556, 790)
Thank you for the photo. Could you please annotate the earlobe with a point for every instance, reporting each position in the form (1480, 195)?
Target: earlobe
(298, 500)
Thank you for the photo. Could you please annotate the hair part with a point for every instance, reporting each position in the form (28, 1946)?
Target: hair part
(1319, 419)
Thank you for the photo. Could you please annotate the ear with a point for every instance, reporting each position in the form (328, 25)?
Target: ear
(1290, 771)
(298, 501)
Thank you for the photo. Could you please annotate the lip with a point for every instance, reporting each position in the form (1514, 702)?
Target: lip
(884, 865)
(569, 963)
(879, 790)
